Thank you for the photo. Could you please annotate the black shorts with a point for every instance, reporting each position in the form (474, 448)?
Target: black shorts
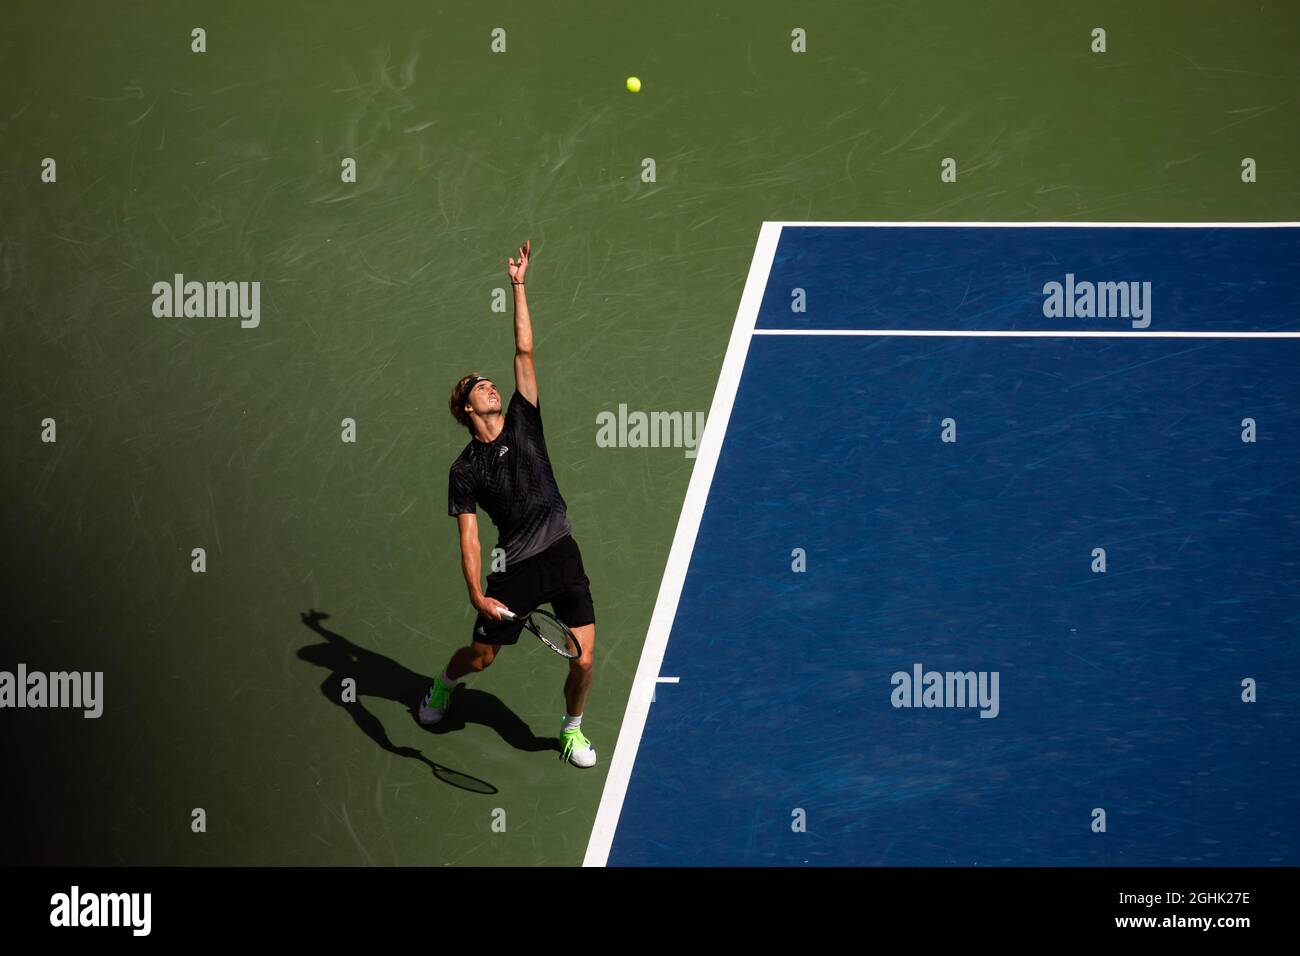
(555, 576)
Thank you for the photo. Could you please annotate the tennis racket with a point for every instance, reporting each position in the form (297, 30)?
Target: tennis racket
(549, 630)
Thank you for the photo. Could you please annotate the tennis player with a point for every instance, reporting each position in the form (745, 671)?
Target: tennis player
(506, 469)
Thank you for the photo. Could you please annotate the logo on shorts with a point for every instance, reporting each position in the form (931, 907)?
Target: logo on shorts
(503, 450)
(481, 631)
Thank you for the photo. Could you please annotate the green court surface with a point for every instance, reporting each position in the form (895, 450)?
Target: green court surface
(376, 297)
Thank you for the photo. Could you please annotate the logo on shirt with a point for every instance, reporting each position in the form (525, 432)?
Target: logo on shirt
(501, 452)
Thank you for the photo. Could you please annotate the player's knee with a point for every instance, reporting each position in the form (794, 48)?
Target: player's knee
(584, 662)
(484, 655)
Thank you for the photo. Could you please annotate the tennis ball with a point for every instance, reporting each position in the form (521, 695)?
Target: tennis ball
(633, 85)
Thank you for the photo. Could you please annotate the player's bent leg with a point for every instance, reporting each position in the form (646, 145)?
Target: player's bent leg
(473, 659)
(574, 745)
(580, 670)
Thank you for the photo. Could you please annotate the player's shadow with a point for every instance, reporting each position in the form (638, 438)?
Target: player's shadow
(379, 676)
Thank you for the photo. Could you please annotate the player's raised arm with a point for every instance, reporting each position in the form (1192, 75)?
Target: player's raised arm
(525, 373)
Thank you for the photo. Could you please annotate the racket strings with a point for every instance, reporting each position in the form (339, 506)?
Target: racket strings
(554, 634)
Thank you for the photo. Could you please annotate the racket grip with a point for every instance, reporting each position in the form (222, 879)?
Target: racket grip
(506, 615)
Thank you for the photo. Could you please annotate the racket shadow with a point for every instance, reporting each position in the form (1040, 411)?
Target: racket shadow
(377, 676)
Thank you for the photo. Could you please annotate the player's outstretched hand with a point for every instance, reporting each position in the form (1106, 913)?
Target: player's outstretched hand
(519, 269)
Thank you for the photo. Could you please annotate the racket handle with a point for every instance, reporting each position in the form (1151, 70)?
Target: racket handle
(505, 614)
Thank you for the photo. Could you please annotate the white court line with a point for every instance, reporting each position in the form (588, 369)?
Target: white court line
(679, 557)
(697, 492)
(1034, 334)
(1047, 225)
(665, 680)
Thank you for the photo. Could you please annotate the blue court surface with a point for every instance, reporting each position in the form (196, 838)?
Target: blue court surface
(1119, 691)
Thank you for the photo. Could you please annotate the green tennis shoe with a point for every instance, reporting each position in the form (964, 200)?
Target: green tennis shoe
(576, 748)
(436, 703)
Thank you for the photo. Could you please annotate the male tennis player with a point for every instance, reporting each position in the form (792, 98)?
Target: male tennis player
(505, 468)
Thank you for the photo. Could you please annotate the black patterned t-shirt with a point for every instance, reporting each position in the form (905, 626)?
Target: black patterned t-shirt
(511, 478)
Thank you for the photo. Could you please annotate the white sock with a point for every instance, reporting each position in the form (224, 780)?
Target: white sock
(446, 682)
(570, 722)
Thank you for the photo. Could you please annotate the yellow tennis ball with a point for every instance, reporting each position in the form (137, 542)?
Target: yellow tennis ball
(633, 85)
